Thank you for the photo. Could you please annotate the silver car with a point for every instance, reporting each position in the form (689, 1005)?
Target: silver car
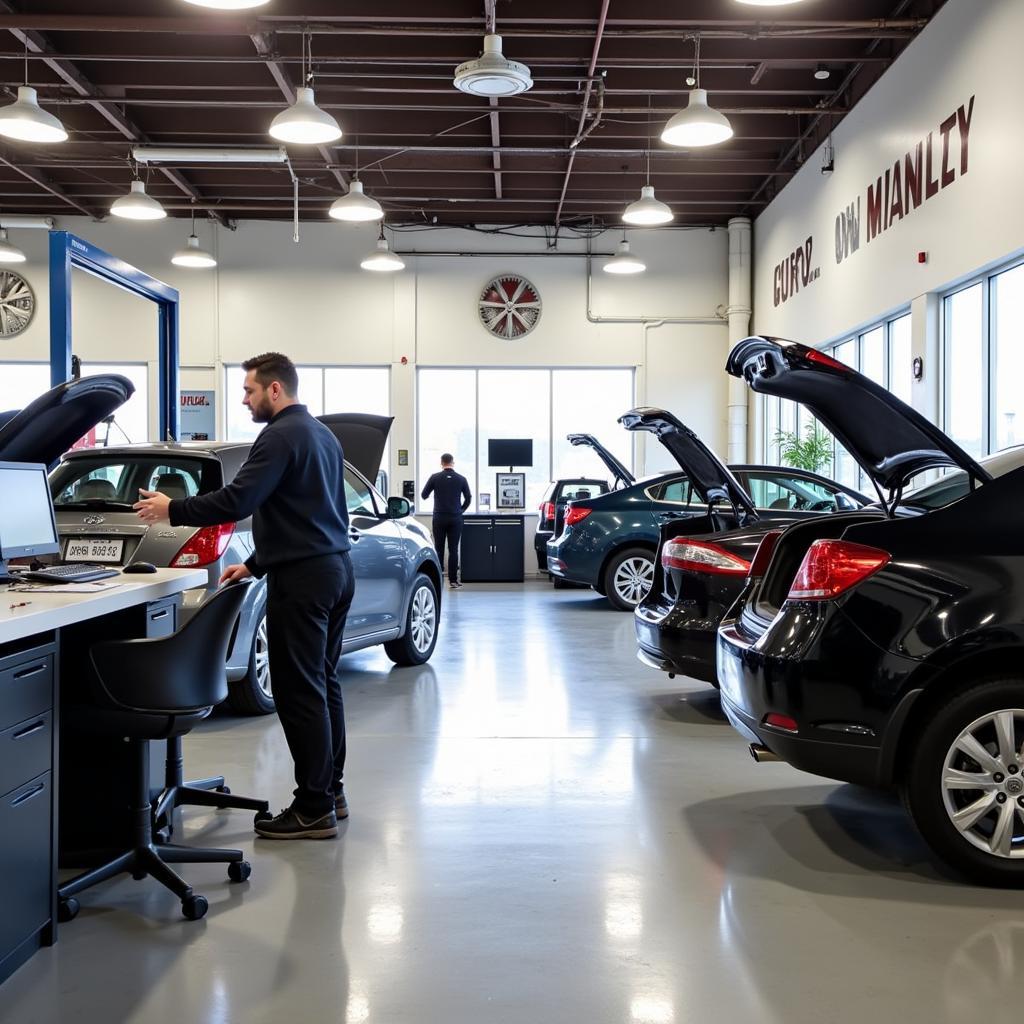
(398, 577)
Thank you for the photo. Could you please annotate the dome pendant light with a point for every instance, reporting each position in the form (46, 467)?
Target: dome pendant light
(492, 73)
(9, 253)
(192, 255)
(382, 258)
(356, 206)
(697, 124)
(26, 121)
(624, 262)
(647, 211)
(137, 205)
(304, 122)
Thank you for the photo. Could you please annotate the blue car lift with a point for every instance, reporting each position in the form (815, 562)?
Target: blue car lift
(68, 251)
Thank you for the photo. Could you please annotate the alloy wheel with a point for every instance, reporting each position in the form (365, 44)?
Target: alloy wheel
(423, 619)
(261, 657)
(633, 578)
(983, 783)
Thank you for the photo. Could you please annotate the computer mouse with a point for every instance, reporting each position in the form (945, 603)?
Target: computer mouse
(140, 567)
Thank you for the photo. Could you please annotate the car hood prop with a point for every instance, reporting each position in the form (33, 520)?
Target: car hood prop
(363, 437)
(616, 468)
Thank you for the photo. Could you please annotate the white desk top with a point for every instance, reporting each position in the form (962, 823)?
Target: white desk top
(44, 610)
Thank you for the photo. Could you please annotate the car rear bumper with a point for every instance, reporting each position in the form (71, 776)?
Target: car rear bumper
(558, 567)
(540, 546)
(674, 643)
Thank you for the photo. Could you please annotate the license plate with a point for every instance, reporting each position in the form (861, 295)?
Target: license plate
(93, 549)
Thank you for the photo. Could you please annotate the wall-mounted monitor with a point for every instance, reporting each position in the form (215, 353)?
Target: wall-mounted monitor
(510, 451)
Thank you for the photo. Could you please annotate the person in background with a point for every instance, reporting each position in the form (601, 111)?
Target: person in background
(451, 499)
(292, 484)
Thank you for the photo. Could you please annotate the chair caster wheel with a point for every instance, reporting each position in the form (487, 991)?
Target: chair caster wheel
(239, 870)
(262, 816)
(194, 907)
(226, 790)
(67, 909)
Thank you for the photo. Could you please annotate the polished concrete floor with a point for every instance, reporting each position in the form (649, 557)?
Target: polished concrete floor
(543, 831)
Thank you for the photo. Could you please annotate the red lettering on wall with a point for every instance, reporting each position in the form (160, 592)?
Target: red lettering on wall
(896, 209)
(912, 179)
(931, 186)
(948, 174)
(964, 123)
(874, 209)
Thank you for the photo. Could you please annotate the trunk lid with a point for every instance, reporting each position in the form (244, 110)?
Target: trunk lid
(616, 468)
(363, 438)
(891, 441)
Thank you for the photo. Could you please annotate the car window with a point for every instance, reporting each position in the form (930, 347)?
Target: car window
(955, 485)
(576, 491)
(94, 481)
(357, 496)
(174, 481)
(782, 491)
(676, 492)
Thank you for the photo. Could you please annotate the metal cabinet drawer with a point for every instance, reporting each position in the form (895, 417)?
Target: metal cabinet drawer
(161, 618)
(26, 687)
(25, 750)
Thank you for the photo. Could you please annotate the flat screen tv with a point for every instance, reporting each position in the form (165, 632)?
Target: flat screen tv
(510, 451)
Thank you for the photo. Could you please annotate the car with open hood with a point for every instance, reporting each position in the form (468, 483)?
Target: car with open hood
(559, 493)
(884, 647)
(398, 577)
(610, 541)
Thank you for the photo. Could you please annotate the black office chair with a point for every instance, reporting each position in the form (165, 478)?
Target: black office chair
(153, 690)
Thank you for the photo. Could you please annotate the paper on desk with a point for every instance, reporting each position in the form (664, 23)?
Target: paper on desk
(62, 588)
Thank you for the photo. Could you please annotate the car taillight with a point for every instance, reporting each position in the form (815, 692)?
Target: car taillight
(831, 567)
(576, 515)
(700, 556)
(814, 356)
(764, 553)
(204, 547)
(547, 509)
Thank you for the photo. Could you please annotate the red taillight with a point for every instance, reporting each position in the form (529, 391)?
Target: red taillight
(831, 567)
(783, 722)
(814, 356)
(576, 515)
(547, 510)
(764, 553)
(700, 556)
(204, 547)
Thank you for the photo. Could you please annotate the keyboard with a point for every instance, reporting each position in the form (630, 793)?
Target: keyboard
(80, 572)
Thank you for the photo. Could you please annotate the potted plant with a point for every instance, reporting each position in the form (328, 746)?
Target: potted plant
(813, 452)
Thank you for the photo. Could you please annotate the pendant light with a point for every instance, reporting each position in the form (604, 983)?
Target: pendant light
(697, 124)
(137, 205)
(304, 122)
(26, 121)
(647, 211)
(192, 255)
(356, 206)
(9, 253)
(228, 5)
(382, 258)
(624, 262)
(769, 3)
(492, 74)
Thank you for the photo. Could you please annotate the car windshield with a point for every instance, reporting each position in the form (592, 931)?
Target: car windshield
(112, 481)
(955, 485)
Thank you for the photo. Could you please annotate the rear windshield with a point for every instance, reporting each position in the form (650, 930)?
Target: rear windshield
(114, 482)
(955, 485)
(577, 490)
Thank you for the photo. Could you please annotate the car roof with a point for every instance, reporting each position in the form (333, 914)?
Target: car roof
(152, 447)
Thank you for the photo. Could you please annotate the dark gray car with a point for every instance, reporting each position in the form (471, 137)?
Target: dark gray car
(398, 578)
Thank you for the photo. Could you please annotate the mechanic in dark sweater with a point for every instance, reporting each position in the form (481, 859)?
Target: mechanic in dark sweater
(292, 484)
(451, 499)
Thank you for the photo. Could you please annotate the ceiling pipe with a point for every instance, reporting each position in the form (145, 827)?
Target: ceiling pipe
(210, 155)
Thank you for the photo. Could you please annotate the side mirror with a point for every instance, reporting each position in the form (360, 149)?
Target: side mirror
(398, 508)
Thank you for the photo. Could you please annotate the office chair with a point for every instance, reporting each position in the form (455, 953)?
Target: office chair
(158, 689)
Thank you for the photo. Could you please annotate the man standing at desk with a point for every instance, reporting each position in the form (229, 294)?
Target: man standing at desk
(292, 484)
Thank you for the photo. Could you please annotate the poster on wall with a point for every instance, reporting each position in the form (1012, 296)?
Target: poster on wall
(511, 489)
(198, 422)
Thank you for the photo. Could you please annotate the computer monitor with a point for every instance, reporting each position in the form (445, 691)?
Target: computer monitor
(510, 451)
(27, 523)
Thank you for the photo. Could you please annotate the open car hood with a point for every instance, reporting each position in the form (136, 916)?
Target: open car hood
(616, 468)
(362, 436)
(891, 441)
(710, 477)
(46, 428)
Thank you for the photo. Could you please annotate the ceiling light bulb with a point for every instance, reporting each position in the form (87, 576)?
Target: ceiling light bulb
(697, 124)
(193, 256)
(26, 121)
(624, 262)
(304, 122)
(137, 205)
(768, 3)
(382, 258)
(647, 210)
(822, 73)
(356, 206)
(228, 5)
(9, 253)
(492, 73)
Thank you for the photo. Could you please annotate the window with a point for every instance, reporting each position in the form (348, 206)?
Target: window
(1007, 305)
(460, 410)
(21, 383)
(131, 421)
(94, 480)
(358, 496)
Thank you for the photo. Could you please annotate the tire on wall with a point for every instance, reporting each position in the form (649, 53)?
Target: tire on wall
(416, 644)
(628, 577)
(253, 694)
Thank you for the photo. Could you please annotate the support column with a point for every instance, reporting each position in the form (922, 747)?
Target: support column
(739, 327)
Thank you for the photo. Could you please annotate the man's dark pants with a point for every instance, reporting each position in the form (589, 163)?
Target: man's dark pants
(448, 529)
(307, 603)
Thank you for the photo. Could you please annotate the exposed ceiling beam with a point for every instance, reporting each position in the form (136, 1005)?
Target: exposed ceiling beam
(17, 163)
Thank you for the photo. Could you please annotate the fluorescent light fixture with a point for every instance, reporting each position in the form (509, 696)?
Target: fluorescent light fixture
(768, 3)
(647, 211)
(137, 205)
(193, 256)
(624, 262)
(697, 124)
(10, 253)
(209, 155)
(492, 73)
(228, 5)
(17, 220)
(356, 206)
(304, 122)
(26, 121)
(382, 258)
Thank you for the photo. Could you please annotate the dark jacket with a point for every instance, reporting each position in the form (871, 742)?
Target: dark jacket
(452, 495)
(293, 486)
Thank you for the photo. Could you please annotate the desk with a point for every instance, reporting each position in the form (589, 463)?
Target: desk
(30, 680)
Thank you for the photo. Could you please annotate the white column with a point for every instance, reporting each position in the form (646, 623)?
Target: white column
(739, 327)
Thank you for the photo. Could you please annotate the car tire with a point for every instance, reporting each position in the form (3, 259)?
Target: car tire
(416, 644)
(252, 694)
(986, 844)
(622, 576)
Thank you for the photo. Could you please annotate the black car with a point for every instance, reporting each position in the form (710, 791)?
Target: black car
(551, 516)
(886, 647)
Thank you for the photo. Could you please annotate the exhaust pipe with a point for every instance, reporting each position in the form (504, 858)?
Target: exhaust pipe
(762, 755)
